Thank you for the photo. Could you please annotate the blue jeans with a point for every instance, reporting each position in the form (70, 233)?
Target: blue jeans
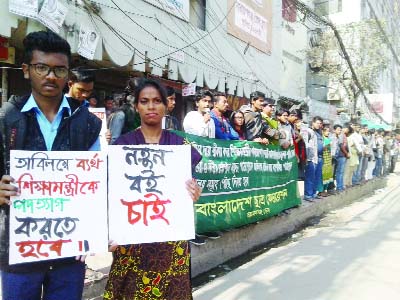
(378, 167)
(61, 283)
(318, 175)
(357, 174)
(313, 178)
(341, 163)
(309, 176)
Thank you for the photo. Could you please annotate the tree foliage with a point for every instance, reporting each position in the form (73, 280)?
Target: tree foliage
(367, 51)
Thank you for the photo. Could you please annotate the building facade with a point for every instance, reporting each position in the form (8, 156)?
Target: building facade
(233, 46)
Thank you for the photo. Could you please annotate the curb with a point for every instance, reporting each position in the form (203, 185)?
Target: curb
(238, 242)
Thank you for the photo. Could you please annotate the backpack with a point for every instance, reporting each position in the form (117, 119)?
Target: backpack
(132, 119)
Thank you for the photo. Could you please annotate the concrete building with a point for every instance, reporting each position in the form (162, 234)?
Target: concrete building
(383, 95)
(233, 46)
(294, 56)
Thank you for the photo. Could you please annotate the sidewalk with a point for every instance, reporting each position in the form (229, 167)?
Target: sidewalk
(347, 254)
(237, 242)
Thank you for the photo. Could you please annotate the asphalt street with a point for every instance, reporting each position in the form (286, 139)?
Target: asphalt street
(352, 253)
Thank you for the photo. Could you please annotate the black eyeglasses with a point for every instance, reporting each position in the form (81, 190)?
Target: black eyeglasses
(44, 70)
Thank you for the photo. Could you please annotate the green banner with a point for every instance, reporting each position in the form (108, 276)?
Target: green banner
(243, 182)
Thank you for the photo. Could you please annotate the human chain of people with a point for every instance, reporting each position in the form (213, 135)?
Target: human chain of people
(142, 183)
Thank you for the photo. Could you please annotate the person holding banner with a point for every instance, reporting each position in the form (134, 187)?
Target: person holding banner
(152, 270)
(268, 110)
(199, 121)
(42, 121)
(223, 129)
(237, 122)
(256, 128)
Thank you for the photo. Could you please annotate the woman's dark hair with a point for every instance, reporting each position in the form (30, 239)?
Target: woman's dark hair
(170, 91)
(45, 41)
(143, 83)
(281, 111)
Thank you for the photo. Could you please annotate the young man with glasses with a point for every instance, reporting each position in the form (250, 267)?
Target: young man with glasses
(42, 121)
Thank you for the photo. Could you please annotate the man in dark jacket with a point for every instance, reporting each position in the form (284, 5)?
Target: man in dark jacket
(255, 127)
(42, 121)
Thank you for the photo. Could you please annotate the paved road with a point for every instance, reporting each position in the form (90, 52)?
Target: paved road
(353, 253)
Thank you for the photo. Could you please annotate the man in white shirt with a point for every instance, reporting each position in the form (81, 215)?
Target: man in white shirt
(359, 144)
(199, 122)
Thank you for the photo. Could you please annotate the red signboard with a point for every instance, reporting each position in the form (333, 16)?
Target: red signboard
(3, 48)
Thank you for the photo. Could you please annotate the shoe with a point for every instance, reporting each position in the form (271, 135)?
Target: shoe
(198, 241)
(332, 192)
(309, 199)
(323, 194)
(318, 197)
(210, 235)
(285, 212)
(92, 275)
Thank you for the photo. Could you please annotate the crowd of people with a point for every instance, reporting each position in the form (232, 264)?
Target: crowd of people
(344, 156)
(48, 119)
(330, 159)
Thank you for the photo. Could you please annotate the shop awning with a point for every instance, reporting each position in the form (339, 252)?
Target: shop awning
(138, 33)
(372, 125)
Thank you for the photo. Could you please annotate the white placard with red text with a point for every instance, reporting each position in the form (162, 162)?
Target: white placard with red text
(189, 89)
(62, 207)
(147, 200)
(100, 112)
